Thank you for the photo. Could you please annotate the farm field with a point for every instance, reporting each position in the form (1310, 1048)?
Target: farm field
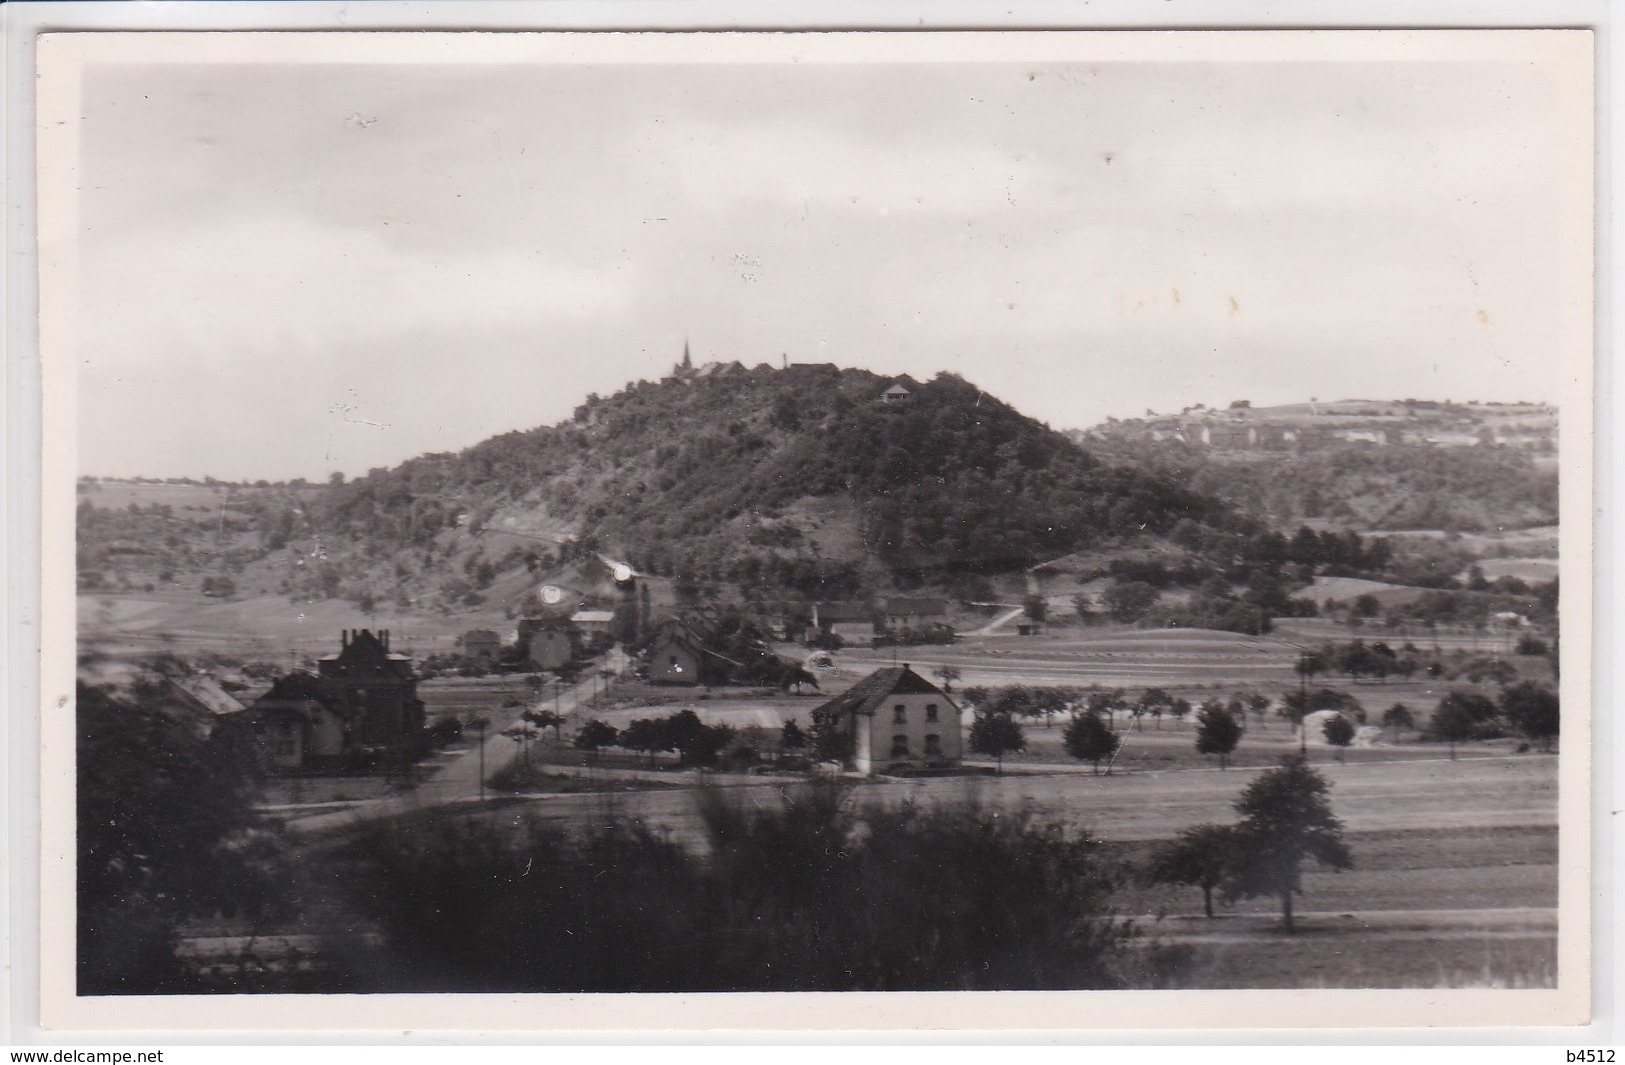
(267, 628)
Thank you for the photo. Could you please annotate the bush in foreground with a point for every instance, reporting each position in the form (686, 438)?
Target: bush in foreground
(806, 894)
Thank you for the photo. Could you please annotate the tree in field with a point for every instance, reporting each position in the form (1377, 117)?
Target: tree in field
(1398, 717)
(996, 735)
(647, 736)
(1106, 701)
(545, 719)
(1156, 702)
(1089, 739)
(1458, 716)
(1339, 733)
(947, 674)
(1258, 703)
(1179, 709)
(1286, 818)
(1532, 709)
(595, 735)
(1216, 731)
(1201, 857)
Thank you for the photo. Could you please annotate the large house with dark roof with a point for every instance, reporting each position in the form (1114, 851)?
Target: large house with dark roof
(897, 718)
(362, 699)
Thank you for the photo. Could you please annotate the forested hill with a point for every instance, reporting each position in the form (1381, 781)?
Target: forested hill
(803, 478)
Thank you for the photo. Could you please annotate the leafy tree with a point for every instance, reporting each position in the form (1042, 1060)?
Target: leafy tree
(595, 735)
(545, 719)
(1179, 709)
(996, 735)
(1259, 704)
(1035, 607)
(947, 674)
(831, 741)
(1533, 710)
(1339, 733)
(1127, 601)
(166, 831)
(791, 737)
(1458, 716)
(1089, 739)
(1106, 701)
(1216, 731)
(1398, 717)
(647, 736)
(1156, 702)
(1202, 856)
(1286, 818)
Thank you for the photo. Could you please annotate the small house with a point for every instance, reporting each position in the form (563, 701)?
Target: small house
(905, 612)
(481, 645)
(298, 728)
(897, 719)
(895, 394)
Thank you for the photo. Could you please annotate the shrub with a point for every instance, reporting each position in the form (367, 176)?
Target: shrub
(804, 894)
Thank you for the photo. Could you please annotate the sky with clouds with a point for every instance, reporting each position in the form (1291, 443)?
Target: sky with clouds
(288, 269)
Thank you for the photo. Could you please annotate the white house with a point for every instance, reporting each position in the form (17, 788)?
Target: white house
(897, 718)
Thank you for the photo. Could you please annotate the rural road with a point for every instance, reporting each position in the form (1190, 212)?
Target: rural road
(459, 777)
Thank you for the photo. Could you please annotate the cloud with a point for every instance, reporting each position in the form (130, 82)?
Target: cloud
(288, 286)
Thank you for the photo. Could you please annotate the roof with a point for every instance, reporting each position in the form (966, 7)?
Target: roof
(593, 615)
(685, 635)
(208, 693)
(896, 389)
(844, 611)
(866, 695)
(905, 605)
(293, 692)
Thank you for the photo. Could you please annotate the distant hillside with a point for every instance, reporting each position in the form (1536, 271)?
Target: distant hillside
(1406, 464)
(804, 479)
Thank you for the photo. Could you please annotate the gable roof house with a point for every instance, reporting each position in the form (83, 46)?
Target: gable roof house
(297, 728)
(679, 654)
(897, 719)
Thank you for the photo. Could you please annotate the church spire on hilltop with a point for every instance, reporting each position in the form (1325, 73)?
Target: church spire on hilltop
(688, 363)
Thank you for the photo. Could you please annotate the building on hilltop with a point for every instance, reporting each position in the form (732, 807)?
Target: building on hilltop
(896, 719)
(897, 393)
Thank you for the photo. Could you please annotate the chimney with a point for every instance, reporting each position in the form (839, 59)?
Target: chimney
(386, 639)
(344, 639)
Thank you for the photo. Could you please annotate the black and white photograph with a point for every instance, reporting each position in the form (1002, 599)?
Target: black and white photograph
(567, 515)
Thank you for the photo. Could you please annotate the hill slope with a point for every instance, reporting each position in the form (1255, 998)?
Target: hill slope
(801, 479)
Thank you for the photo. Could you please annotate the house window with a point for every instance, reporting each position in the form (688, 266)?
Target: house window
(287, 741)
(899, 746)
(933, 744)
(899, 714)
(930, 711)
